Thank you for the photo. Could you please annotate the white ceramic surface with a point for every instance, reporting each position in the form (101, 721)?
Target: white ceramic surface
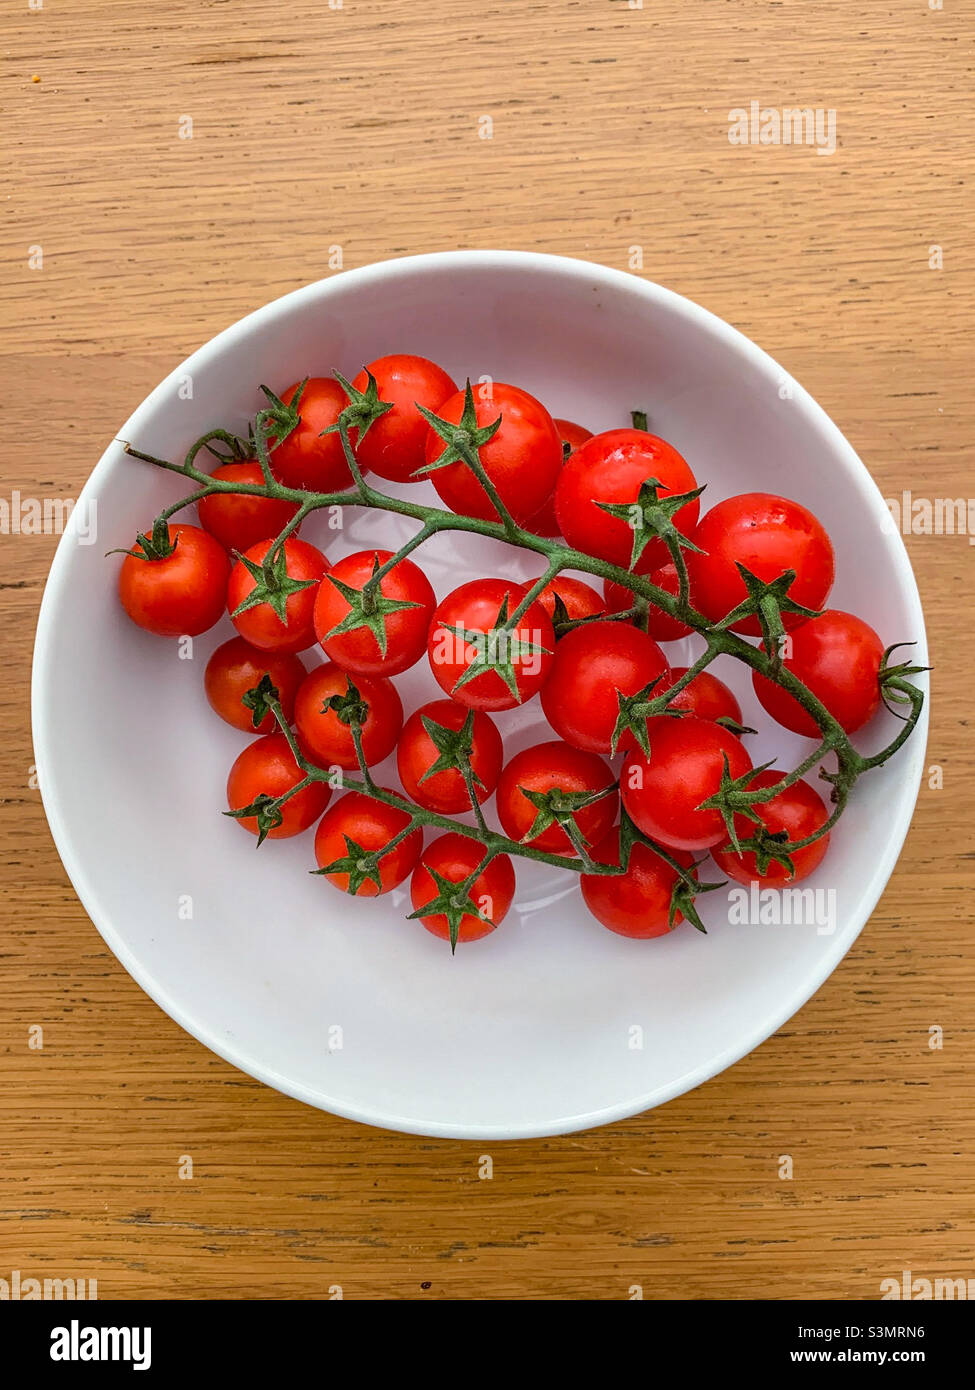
(530, 1031)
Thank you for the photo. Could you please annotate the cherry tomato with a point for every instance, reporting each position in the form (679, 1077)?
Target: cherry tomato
(705, 696)
(555, 767)
(416, 754)
(663, 794)
(544, 522)
(268, 766)
(660, 625)
(180, 594)
(260, 625)
(593, 666)
(838, 656)
(369, 824)
(393, 445)
(236, 667)
(454, 858)
(475, 608)
(610, 468)
(580, 599)
(358, 649)
(522, 460)
(768, 535)
(798, 811)
(237, 520)
(325, 732)
(306, 458)
(636, 903)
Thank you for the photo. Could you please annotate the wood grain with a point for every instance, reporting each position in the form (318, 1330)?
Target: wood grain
(358, 127)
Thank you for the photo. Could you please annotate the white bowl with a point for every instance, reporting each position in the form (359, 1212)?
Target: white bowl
(551, 1023)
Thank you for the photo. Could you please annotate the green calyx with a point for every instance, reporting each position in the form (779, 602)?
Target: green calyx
(369, 608)
(767, 602)
(651, 515)
(272, 583)
(361, 865)
(454, 747)
(453, 901)
(500, 650)
(350, 708)
(156, 546)
(559, 807)
(277, 420)
(363, 410)
(267, 812)
(260, 700)
(735, 797)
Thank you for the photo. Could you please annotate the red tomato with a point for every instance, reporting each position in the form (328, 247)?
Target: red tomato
(237, 520)
(180, 594)
(369, 824)
(406, 628)
(798, 811)
(454, 858)
(662, 794)
(475, 608)
(593, 666)
(838, 657)
(306, 458)
(522, 460)
(326, 736)
(660, 625)
(581, 600)
(260, 625)
(768, 535)
(705, 696)
(636, 903)
(544, 522)
(416, 754)
(555, 767)
(236, 667)
(267, 766)
(393, 445)
(610, 468)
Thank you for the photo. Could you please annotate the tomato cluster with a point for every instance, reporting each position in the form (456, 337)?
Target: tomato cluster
(621, 785)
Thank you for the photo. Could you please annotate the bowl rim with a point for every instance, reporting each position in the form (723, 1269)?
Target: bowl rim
(475, 260)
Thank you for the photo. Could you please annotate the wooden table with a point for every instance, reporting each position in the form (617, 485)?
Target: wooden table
(359, 127)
